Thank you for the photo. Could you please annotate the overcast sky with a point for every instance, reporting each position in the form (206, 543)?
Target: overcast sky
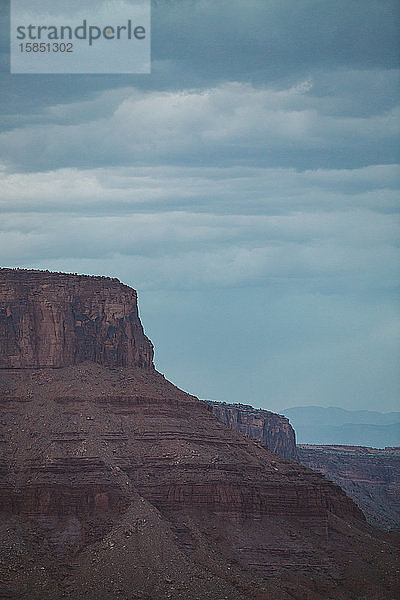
(248, 189)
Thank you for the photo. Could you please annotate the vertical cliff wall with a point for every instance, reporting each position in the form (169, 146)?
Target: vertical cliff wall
(56, 320)
(272, 430)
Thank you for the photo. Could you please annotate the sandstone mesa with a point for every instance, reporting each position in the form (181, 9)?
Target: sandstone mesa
(116, 484)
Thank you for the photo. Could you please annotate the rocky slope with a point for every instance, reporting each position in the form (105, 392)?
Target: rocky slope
(116, 484)
(371, 477)
(271, 430)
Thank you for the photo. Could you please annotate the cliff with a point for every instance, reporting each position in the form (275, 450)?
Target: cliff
(116, 484)
(369, 476)
(56, 320)
(271, 430)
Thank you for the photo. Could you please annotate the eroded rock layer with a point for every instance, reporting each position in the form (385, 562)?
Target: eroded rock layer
(371, 477)
(272, 430)
(55, 320)
(116, 484)
(98, 462)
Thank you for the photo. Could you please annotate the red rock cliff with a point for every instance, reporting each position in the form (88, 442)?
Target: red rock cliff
(56, 320)
(116, 484)
(271, 430)
(370, 476)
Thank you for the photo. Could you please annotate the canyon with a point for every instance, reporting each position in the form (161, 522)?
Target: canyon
(116, 484)
(369, 476)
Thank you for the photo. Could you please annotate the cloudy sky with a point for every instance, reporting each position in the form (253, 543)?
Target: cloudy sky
(247, 188)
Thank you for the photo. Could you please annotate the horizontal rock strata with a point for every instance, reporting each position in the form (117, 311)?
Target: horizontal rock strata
(272, 430)
(370, 476)
(116, 484)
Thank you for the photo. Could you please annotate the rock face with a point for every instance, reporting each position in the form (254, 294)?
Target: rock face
(56, 320)
(271, 430)
(116, 484)
(371, 477)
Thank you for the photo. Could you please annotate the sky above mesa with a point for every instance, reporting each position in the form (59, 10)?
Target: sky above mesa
(248, 188)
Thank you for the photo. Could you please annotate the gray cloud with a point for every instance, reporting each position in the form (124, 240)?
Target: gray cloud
(201, 43)
(230, 190)
(248, 189)
(300, 228)
(229, 124)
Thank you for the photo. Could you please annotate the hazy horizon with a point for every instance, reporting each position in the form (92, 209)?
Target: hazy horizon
(349, 410)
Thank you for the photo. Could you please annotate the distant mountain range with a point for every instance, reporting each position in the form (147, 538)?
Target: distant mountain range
(333, 425)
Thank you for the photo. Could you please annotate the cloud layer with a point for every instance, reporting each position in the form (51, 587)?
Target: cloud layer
(233, 123)
(248, 189)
